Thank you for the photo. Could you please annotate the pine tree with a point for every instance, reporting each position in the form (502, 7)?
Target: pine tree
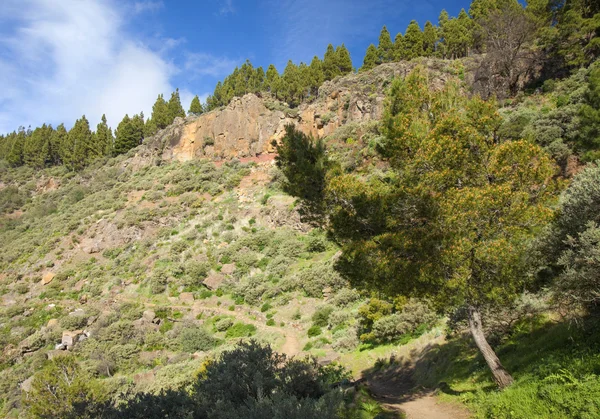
(291, 84)
(16, 141)
(272, 81)
(385, 47)
(160, 113)
(36, 148)
(442, 48)
(399, 52)
(317, 77)
(78, 149)
(371, 58)
(344, 62)
(103, 138)
(59, 137)
(129, 134)
(174, 107)
(330, 65)
(413, 41)
(430, 37)
(195, 107)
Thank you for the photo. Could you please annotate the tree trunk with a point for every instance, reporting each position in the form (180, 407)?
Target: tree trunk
(502, 378)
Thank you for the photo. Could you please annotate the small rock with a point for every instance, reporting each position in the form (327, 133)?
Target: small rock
(48, 277)
(70, 338)
(26, 385)
(149, 315)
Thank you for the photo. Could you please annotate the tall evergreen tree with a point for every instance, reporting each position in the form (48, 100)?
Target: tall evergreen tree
(399, 52)
(59, 137)
(371, 58)
(413, 41)
(78, 149)
(442, 48)
(317, 77)
(103, 138)
(36, 149)
(129, 134)
(344, 62)
(160, 113)
(385, 47)
(272, 81)
(430, 37)
(16, 142)
(330, 64)
(174, 107)
(195, 106)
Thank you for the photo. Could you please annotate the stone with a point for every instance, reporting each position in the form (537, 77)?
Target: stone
(26, 385)
(48, 277)
(228, 269)
(69, 338)
(186, 297)
(213, 281)
(149, 315)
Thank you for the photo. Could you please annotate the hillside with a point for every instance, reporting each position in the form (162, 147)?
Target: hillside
(189, 232)
(144, 269)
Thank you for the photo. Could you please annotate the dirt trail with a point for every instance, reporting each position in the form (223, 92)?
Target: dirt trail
(397, 393)
(290, 347)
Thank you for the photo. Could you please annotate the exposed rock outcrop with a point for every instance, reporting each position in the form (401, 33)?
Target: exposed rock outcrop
(248, 125)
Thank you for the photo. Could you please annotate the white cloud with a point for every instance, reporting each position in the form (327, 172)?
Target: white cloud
(66, 58)
(200, 64)
(147, 6)
(227, 7)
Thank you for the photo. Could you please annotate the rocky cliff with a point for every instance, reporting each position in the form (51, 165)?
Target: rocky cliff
(248, 125)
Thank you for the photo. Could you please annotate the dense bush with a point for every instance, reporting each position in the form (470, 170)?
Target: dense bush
(196, 338)
(240, 330)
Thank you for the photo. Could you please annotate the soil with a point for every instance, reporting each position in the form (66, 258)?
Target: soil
(396, 392)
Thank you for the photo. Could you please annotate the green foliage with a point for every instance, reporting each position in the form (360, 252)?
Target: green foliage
(61, 389)
(195, 107)
(195, 338)
(129, 134)
(304, 163)
(240, 330)
(313, 331)
(321, 316)
(371, 59)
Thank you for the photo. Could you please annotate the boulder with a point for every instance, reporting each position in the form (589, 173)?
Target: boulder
(70, 338)
(149, 316)
(213, 281)
(228, 269)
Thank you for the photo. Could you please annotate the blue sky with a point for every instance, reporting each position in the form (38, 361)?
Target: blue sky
(60, 59)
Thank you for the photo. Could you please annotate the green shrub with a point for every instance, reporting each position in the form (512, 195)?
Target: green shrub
(270, 322)
(265, 307)
(314, 331)
(321, 316)
(194, 339)
(223, 324)
(240, 330)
